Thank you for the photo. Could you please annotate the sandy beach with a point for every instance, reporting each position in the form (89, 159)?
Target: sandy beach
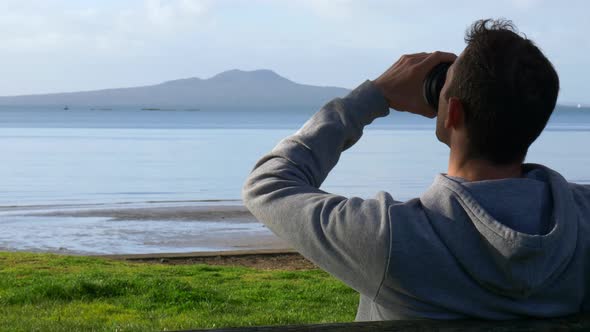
(263, 259)
(227, 213)
(147, 228)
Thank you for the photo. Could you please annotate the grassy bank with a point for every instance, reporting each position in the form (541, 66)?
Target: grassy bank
(54, 293)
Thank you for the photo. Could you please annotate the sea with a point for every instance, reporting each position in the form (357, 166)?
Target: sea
(52, 158)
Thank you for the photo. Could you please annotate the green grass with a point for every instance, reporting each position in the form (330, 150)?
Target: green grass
(44, 292)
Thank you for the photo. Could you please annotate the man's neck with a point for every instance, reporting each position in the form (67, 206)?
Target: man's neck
(479, 170)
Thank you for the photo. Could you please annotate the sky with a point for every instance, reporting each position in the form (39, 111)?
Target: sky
(73, 45)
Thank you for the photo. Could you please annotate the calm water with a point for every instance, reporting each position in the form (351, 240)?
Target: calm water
(51, 157)
(82, 156)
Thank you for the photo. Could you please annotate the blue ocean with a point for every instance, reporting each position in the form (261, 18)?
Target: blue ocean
(76, 158)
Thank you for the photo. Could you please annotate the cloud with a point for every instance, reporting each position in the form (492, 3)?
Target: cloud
(28, 25)
(525, 4)
(329, 8)
(344, 9)
(171, 14)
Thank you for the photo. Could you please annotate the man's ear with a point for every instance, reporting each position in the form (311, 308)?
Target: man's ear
(455, 115)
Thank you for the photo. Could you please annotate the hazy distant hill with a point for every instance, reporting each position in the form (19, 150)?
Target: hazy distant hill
(231, 89)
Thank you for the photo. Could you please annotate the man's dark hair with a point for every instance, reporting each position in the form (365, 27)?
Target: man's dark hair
(508, 90)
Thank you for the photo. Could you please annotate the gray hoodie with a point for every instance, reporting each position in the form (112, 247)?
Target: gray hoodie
(496, 249)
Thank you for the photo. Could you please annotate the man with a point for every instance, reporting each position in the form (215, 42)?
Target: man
(492, 238)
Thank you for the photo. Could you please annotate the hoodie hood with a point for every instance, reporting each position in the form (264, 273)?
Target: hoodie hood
(503, 248)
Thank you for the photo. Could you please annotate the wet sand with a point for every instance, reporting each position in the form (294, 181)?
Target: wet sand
(260, 259)
(228, 213)
(135, 229)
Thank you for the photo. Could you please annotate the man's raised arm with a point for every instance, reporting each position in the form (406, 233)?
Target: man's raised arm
(348, 237)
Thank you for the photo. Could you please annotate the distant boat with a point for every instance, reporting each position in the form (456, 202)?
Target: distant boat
(66, 108)
(169, 109)
(579, 105)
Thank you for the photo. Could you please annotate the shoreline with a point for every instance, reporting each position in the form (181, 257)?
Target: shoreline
(144, 228)
(233, 213)
(121, 204)
(269, 259)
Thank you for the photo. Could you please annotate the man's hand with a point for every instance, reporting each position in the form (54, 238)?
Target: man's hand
(402, 83)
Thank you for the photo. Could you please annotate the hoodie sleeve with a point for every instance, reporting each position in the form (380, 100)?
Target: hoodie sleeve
(348, 237)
